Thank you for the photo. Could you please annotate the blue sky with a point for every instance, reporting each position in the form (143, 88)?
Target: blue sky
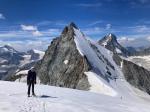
(27, 24)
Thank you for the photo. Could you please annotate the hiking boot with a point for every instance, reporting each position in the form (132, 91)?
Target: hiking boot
(33, 94)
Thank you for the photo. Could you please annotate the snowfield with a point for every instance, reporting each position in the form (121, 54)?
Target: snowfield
(13, 98)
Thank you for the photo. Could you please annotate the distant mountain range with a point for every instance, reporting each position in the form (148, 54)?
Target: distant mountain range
(13, 61)
(110, 42)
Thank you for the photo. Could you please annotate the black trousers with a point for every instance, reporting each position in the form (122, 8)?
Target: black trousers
(31, 83)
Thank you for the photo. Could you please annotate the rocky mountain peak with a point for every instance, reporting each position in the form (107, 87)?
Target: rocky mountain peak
(73, 25)
(69, 29)
(110, 42)
(63, 65)
(69, 59)
(112, 37)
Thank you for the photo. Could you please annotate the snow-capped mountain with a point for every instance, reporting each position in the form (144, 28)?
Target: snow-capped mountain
(110, 42)
(13, 61)
(73, 61)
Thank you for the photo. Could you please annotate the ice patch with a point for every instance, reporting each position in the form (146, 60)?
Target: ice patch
(118, 50)
(99, 86)
(66, 62)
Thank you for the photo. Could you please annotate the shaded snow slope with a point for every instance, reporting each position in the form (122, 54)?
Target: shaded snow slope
(98, 85)
(101, 61)
(13, 98)
(95, 58)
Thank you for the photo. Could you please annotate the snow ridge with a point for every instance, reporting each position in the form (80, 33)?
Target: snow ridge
(99, 66)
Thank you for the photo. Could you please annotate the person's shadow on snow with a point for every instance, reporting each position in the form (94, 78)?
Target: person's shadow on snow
(46, 96)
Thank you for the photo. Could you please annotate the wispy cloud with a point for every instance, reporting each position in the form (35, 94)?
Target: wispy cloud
(108, 26)
(43, 23)
(95, 23)
(26, 39)
(134, 42)
(88, 5)
(139, 3)
(140, 29)
(52, 32)
(28, 27)
(93, 31)
(54, 23)
(143, 1)
(2, 16)
(28, 44)
(37, 33)
(33, 29)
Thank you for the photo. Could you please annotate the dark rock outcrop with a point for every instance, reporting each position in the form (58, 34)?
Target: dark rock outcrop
(62, 64)
(136, 76)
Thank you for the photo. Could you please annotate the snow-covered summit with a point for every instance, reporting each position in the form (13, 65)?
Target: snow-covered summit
(110, 42)
(7, 48)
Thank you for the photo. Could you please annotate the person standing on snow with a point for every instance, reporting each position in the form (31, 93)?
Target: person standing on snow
(31, 80)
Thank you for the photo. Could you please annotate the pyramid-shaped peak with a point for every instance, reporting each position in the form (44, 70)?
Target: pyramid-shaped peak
(73, 25)
(111, 37)
(69, 28)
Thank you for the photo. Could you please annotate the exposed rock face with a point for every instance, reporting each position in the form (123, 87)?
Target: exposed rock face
(137, 76)
(110, 42)
(117, 59)
(62, 64)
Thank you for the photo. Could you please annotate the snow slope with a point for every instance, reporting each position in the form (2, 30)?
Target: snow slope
(13, 98)
(102, 61)
(101, 65)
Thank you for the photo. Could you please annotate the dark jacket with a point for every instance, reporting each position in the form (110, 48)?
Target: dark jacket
(31, 77)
